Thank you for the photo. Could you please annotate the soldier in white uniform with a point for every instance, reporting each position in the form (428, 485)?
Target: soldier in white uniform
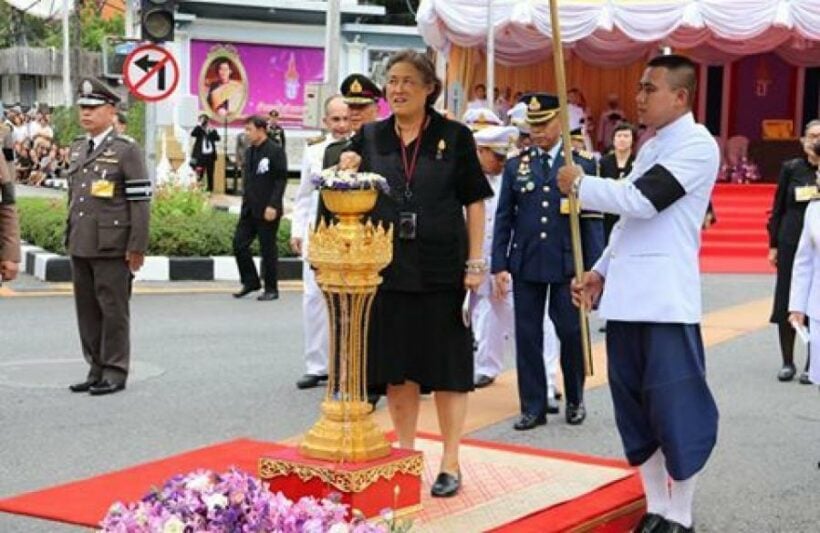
(493, 318)
(648, 282)
(804, 297)
(314, 311)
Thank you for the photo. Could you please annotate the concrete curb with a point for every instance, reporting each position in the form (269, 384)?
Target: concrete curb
(47, 266)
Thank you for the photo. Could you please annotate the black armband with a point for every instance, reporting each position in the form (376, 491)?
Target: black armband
(660, 187)
(8, 154)
(136, 190)
(7, 193)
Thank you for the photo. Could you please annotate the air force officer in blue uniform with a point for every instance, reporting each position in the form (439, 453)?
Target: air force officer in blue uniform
(531, 244)
(648, 281)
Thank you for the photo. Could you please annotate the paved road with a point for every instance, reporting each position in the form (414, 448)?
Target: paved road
(209, 368)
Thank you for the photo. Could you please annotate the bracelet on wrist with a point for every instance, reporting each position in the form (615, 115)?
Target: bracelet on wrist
(476, 266)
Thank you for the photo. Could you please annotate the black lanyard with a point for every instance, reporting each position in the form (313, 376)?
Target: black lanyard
(410, 167)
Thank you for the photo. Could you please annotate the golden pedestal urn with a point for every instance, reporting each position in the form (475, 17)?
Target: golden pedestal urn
(348, 256)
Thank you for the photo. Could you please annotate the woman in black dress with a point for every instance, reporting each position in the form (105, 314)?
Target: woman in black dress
(417, 339)
(785, 225)
(617, 164)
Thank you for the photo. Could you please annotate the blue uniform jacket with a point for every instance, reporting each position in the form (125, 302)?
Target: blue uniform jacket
(531, 239)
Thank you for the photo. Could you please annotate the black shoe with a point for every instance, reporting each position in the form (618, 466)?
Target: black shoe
(576, 414)
(804, 378)
(674, 527)
(308, 381)
(483, 381)
(373, 400)
(786, 373)
(651, 523)
(244, 291)
(106, 387)
(83, 386)
(553, 407)
(446, 485)
(527, 422)
(267, 296)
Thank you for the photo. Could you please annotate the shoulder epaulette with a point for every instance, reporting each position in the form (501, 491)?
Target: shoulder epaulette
(584, 154)
(315, 140)
(125, 138)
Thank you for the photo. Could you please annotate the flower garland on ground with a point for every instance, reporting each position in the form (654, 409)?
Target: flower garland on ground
(346, 180)
(234, 502)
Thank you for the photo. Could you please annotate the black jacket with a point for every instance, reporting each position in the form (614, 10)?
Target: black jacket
(786, 220)
(265, 175)
(200, 134)
(608, 167)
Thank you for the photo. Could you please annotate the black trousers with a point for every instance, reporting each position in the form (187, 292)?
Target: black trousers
(248, 229)
(208, 162)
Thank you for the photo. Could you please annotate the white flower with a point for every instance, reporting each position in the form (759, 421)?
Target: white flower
(200, 482)
(173, 525)
(216, 500)
(339, 528)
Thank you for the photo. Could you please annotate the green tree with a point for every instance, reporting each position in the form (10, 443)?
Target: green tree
(19, 29)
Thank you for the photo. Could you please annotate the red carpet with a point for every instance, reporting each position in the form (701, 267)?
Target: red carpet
(614, 507)
(86, 502)
(738, 243)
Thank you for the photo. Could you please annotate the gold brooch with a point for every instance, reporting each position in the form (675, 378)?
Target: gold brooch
(440, 148)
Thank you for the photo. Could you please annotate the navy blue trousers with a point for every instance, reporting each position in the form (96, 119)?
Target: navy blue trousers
(658, 381)
(530, 299)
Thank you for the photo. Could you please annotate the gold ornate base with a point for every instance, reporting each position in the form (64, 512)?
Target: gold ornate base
(345, 432)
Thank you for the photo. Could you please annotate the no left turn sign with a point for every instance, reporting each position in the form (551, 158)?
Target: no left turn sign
(151, 73)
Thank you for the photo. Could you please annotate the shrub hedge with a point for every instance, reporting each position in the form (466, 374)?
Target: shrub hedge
(182, 224)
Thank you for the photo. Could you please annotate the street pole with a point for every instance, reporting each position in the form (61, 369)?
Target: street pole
(332, 44)
(66, 57)
(490, 57)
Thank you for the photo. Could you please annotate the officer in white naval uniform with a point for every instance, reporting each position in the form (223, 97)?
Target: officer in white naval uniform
(493, 318)
(804, 297)
(648, 282)
(314, 311)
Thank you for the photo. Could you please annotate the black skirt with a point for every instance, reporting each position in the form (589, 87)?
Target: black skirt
(782, 286)
(419, 337)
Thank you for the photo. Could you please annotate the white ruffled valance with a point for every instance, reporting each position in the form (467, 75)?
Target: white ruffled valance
(613, 33)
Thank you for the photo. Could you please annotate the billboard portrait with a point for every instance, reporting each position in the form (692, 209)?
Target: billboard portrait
(223, 84)
(237, 80)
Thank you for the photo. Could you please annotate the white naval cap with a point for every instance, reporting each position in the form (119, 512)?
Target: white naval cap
(481, 117)
(518, 117)
(499, 139)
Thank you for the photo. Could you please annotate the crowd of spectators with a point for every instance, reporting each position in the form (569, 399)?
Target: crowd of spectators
(40, 161)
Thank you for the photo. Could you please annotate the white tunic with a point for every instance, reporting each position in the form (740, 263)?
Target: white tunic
(805, 290)
(651, 264)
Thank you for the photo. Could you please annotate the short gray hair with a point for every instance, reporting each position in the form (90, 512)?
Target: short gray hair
(810, 125)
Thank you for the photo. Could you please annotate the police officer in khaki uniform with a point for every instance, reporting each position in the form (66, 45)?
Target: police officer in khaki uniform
(106, 236)
(9, 226)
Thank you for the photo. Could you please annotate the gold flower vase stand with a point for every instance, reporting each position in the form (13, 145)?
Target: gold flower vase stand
(345, 452)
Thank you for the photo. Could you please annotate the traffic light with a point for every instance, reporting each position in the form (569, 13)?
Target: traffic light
(157, 20)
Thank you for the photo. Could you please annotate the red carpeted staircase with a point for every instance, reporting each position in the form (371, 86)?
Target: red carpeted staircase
(738, 243)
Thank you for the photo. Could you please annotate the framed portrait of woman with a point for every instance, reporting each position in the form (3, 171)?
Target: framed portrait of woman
(223, 86)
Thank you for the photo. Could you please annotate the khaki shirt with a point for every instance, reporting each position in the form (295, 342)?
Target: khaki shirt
(9, 224)
(109, 198)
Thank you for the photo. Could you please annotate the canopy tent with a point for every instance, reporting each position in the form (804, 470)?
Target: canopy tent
(611, 33)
